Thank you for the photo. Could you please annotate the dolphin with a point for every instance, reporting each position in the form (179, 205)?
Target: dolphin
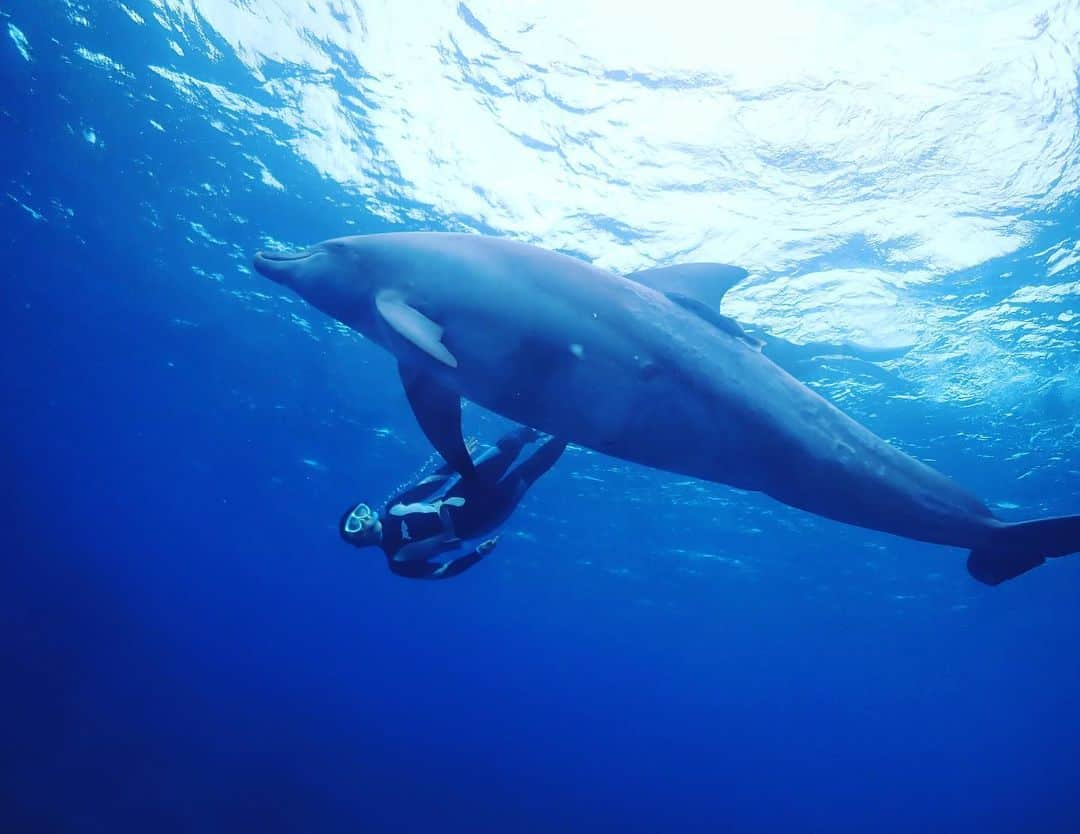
(645, 370)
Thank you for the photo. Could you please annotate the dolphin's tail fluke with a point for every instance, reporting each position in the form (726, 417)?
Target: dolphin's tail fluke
(1013, 549)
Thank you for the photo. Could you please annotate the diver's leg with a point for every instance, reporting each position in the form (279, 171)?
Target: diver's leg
(541, 461)
(493, 463)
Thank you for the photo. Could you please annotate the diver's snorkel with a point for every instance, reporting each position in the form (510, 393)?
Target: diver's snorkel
(360, 526)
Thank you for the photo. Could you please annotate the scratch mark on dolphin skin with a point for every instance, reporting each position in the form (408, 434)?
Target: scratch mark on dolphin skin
(648, 370)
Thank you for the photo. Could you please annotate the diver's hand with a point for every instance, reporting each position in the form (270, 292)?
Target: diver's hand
(527, 434)
(520, 436)
(485, 547)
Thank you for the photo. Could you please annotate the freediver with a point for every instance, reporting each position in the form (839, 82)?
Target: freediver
(438, 514)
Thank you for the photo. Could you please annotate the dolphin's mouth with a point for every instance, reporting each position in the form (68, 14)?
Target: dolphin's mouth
(277, 265)
(283, 256)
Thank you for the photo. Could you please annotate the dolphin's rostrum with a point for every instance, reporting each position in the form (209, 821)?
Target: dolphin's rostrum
(646, 370)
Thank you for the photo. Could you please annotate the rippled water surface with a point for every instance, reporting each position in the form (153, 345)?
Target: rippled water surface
(191, 647)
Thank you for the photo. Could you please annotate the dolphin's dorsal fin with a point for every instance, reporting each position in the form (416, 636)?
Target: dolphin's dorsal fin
(717, 320)
(414, 327)
(438, 411)
(705, 282)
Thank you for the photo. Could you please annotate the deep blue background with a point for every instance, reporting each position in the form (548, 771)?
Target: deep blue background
(186, 646)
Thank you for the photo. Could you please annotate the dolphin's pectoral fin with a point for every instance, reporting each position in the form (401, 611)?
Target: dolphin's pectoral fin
(414, 327)
(705, 282)
(717, 320)
(438, 411)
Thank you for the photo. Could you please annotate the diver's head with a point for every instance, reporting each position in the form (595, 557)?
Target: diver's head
(360, 526)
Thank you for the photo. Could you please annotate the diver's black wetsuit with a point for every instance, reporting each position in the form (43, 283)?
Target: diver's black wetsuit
(415, 530)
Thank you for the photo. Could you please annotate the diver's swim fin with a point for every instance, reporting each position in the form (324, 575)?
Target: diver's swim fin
(438, 411)
(1014, 549)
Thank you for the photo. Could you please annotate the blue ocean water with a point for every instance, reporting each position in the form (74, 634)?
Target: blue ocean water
(188, 646)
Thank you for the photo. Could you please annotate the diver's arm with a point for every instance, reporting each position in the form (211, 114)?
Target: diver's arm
(541, 461)
(442, 570)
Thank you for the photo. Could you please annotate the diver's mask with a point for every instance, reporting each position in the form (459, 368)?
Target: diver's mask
(361, 526)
